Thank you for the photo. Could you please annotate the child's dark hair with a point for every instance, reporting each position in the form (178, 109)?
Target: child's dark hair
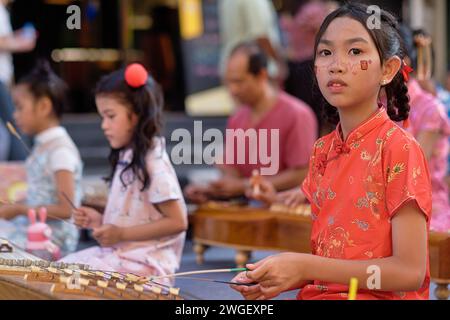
(388, 43)
(43, 82)
(147, 103)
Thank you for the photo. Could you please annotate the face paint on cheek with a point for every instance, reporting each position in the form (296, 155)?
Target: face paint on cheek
(364, 64)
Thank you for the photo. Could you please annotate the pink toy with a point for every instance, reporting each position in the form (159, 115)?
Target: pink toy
(39, 235)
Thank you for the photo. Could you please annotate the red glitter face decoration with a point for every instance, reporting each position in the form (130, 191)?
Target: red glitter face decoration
(364, 64)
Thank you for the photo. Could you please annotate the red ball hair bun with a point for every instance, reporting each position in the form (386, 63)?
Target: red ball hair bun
(135, 75)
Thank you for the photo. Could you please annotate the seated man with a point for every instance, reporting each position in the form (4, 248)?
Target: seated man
(271, 131)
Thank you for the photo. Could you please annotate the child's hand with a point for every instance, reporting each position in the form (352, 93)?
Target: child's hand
(108, 235)
(196, 194)
(248, 292)
(266, 192)
(278, 273)
(88, 218)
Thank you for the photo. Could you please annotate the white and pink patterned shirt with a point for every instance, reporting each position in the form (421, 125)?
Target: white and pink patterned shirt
(129, 206)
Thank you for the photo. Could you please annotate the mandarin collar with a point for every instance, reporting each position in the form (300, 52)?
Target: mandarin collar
(374, 121)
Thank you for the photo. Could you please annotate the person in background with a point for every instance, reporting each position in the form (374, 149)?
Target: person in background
(22, 40)
(301, 31)
(251, 20)
(263, 108)
(54, 166)
(368, 181)
(430, 126)
(142, 229)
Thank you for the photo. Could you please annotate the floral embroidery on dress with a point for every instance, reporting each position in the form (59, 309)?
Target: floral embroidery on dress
(319, 144)
(362, 202)
(355, 145)
(330, 194)
(390, 132)
(365, 155)
(374, 200)
(319, 197)
(363, 225)
(332, 243)
(398, 168)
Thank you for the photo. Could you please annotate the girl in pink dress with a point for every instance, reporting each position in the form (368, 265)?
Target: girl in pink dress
(142, 230)
(431, 128)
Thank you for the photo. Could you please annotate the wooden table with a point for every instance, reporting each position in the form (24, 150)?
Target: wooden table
(246, 229)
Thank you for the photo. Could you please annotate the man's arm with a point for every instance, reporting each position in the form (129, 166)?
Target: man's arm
(289, 178)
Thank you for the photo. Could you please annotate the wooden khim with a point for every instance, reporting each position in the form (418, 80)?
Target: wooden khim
(24, 276)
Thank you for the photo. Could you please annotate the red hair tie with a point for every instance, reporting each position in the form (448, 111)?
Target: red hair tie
(135, 75)
(406, 123)
(406, 70)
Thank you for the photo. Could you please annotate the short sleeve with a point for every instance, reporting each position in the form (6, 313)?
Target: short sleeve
(63, 159)
(164, 184)
(302, 134)
(406, 175)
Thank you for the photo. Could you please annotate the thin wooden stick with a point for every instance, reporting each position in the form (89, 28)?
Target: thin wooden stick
(17, 135)
(198, 272)
(68, 200)
(218, 281)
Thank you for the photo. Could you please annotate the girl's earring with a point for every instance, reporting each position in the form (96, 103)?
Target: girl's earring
(384, 82)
